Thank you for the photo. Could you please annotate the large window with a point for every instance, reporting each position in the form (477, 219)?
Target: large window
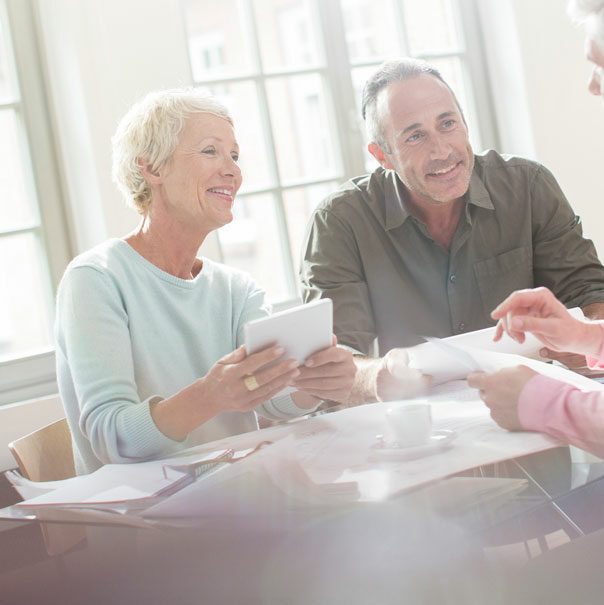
(29, 266)
(292, 72)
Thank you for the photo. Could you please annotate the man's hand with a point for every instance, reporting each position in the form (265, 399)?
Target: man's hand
(500, 392)
(396, 380)
(387, 379)
(328, 374)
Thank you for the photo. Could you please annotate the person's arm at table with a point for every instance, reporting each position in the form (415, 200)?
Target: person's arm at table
(521, 399)
(387, 378)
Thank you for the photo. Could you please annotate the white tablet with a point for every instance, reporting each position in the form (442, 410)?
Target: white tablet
(301, 330)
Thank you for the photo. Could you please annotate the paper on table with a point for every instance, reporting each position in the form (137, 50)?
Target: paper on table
(272, 480)
(491, 361)
(438, 362)
(120, 483)
(30, 489)
(336, 450)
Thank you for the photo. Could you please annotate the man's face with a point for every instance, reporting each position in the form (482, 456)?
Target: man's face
(428, 139)
(596, 56)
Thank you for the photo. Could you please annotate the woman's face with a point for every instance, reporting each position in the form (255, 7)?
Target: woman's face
(201, 180)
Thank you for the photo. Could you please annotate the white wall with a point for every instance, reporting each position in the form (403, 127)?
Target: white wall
(100, 58)
(566, 123)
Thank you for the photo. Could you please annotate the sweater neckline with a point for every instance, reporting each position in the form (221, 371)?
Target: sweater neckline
(164, 275)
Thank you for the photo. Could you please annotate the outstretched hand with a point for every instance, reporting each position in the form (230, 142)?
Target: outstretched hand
(539, 312)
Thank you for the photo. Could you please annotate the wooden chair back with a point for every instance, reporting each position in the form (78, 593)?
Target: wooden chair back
(47, 455)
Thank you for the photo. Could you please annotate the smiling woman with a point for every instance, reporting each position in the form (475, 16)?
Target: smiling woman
(149, 355)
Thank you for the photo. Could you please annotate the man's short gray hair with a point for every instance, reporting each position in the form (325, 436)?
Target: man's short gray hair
(590, 14)
(150, 132)
(387, 73)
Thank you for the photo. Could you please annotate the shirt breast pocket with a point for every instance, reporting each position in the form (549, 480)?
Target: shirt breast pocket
(499, 276)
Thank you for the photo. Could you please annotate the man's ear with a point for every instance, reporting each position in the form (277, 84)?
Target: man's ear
(380, 155)
(151, 176)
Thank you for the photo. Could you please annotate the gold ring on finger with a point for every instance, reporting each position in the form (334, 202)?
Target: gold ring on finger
(251, 384)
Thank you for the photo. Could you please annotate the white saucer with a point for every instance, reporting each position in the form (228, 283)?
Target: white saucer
(387, 450)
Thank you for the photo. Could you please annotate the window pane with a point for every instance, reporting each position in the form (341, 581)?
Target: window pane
(430, 26)
(452, 71)
(8, 84)
(287, 34)
(299, 204)
(251, 242)
(242, 101)
(25, 318)
(371, 29)
(218, 41)
(303, 138)
(17, 207)
(359, 76)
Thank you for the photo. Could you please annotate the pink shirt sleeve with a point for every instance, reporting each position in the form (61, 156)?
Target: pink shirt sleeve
(563, 411)
(592, 362)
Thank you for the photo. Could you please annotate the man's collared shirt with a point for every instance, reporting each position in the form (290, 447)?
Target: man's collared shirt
(390, 281)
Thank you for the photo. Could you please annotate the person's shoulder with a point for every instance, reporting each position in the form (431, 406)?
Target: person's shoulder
(357, 189)
(219, 275)
(493, 160)
(493, 167)
(101, 256)
(98, 264)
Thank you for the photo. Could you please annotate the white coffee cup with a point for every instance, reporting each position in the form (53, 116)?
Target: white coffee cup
(409, 424)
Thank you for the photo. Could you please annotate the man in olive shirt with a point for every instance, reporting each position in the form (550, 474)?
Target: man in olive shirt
(430, 242)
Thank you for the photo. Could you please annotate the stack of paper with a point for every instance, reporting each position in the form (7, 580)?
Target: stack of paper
(126, 486)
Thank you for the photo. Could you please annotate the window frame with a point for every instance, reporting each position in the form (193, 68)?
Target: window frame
(33, 375)
(347, 127)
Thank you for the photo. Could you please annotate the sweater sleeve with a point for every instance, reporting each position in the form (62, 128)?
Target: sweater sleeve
(94, 338)
(564, 412)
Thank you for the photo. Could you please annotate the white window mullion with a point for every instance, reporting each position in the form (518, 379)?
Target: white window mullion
(348, 124)
(268, 129)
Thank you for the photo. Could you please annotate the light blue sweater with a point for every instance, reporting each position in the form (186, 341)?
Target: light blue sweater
(127, 333)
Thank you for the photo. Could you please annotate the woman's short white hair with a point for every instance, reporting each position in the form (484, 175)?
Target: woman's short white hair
(589, 14)
(150, 131)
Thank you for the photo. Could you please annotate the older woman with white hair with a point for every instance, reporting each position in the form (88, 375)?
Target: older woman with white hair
(520, 398)
(149, 335)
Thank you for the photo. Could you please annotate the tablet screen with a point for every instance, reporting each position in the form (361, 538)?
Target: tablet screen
(301, 330)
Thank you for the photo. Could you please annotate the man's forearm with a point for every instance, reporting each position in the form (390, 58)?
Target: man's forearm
(594, 311)
(364, 387)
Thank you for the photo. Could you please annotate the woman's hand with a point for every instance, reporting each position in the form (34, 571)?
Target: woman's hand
(240, 383)
(236, 383)
(328, 374)
(500, 392)
(538, 311)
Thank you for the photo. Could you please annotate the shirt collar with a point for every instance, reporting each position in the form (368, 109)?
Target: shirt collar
(395, 195)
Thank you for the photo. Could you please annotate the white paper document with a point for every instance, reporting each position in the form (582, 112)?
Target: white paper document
(453, 358)
(115, 484)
